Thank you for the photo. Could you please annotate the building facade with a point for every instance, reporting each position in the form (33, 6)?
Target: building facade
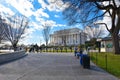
(73, 36)
(107, 44)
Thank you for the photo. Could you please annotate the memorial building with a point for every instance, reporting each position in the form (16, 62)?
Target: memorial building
(68, 37)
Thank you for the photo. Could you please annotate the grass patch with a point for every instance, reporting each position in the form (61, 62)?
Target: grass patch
(68, 50)
(108, 61)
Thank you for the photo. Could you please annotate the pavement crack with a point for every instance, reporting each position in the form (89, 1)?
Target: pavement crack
(21, 76)
(25, 74)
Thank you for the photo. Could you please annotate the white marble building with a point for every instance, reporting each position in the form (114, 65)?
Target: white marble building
(73, 36)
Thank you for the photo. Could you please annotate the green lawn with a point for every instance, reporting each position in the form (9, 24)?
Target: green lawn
(108, 61)
(68, 50)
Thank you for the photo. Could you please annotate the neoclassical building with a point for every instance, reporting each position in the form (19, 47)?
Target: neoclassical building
(73, 36)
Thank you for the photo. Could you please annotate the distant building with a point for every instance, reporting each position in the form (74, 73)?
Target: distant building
(107, 44)
(73, 36)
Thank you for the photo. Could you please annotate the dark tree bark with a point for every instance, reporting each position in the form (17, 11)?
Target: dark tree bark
(14, 46)
(115, 37)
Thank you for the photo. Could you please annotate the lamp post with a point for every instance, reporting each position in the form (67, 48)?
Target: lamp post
(80, 37)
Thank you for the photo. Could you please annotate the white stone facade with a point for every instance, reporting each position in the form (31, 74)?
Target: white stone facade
(68, 37)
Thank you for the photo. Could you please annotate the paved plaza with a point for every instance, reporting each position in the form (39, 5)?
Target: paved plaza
(51, 66)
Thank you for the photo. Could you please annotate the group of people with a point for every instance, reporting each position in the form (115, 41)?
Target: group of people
(78, 51)
(35, 48)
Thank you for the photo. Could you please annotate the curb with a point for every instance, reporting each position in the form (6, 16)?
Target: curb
(5, 58)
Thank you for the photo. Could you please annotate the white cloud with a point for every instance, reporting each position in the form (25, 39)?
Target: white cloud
(29, 30)
(39, 19)
(40, 13)
(52, 23)
(50, 7)
(27, 41)
(23, 6)
(57, 16)
(6, 10)
(36, 26)
(56, 5)
(30, 38)
(43, 4)
(26, 8)
(117, 2)
(59, 25)
(49, 22)
(53, 6)
(107, 21)
(27, 37)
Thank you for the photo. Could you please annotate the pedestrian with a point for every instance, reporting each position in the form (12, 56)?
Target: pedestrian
(40, 49)
(75, 50)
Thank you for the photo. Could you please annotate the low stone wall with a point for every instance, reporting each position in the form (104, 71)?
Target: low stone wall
(11, 56)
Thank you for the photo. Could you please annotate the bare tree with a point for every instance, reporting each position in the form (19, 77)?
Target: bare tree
(2, 36)
(94, 32)
(90, 11)
(14, 27)
(46, 33)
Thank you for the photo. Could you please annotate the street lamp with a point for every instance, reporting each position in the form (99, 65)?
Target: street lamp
(80, 37)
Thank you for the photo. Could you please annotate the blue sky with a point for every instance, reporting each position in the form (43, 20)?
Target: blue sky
(39, 12)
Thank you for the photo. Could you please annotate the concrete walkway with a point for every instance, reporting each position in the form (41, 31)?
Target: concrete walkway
(51, 66)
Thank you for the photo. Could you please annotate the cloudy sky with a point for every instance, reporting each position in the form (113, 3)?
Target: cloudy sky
(39, 13)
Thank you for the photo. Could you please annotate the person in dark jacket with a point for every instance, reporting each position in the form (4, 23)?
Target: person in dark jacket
(75, 50)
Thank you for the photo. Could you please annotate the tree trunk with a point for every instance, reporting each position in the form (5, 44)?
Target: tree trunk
(115, 33)
(116, 47)
(15, 47)
(115, 37)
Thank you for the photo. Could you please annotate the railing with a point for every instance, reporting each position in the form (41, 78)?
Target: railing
(108, 61)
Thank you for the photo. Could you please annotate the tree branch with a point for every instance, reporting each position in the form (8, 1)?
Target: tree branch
(114, 3)
(105, 26)
(102, 7)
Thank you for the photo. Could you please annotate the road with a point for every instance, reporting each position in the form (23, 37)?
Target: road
(51, 66)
